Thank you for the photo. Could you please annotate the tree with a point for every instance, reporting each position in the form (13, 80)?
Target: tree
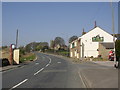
(52, 44)
(31, 46)
(3, 47)
(59, 40)
(35, 46)
(45, 48)
(72, 38)
(39, 47)
(22, 50)
(117, 49)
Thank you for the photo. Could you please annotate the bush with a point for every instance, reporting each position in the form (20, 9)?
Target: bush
(5, 62)
(117, 49)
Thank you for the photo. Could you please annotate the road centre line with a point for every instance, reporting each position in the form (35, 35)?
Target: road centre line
(19, 84)
(49, 59)
(44, 67)
(82, 80)
(38, 71)
(47, 65)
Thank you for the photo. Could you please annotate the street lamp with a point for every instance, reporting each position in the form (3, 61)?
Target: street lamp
(113, 34)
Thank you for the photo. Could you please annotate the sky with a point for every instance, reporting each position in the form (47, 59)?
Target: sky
(43, 21)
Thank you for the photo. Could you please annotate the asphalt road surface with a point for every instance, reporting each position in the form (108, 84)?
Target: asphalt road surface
(54, 72)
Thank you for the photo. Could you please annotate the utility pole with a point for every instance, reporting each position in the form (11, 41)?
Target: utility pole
(113, 34)
(17, 38)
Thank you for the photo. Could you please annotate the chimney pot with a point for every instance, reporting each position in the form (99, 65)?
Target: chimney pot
(95, 24)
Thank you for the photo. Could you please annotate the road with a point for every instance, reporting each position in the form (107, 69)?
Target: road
(54, 72)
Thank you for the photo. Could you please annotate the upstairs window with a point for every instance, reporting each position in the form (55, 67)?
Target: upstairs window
(73, 45)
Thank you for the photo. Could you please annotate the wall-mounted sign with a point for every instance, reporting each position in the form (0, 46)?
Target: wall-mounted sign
(16, 56)
(97, 39)
(13, 46)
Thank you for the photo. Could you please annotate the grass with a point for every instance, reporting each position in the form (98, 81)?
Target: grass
(64, 52)
(99, 59)
(58, 52)
(27, 57)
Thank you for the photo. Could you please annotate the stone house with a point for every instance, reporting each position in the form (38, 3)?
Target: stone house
(75, 49)
(58, 47)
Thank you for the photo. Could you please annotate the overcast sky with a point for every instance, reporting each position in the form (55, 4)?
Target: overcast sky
(43, 21)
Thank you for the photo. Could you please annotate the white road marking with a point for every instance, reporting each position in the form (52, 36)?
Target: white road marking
(36, 63)
(82, 79)
(35, 58)
(38, 71)
(49, 59)
(18, 84)
(58, 62)
(47, 65)
(44, 67)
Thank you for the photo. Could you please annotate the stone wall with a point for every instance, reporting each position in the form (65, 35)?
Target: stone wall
(75, 51)
(103, 51)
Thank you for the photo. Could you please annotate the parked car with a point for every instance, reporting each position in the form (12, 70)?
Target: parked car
(111, 55)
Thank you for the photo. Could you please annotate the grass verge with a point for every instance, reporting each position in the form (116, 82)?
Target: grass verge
(27, 57)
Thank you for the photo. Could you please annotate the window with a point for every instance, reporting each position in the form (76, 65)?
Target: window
(73, 45)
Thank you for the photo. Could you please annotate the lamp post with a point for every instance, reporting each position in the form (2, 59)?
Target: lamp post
(113, 34)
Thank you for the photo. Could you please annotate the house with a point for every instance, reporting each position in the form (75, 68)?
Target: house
(75, 49)
(59, 46)
(92, 44)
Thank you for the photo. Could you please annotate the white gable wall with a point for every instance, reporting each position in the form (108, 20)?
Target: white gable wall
(89, 48)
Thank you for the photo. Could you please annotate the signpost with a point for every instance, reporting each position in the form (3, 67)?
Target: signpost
(12, 47)
(14, 52)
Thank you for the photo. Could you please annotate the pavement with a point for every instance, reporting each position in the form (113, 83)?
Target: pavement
(105, 63)
(5, 68)
(50, 71)
(9, 67)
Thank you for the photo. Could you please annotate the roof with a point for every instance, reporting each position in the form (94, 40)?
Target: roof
(108, 45)
(92, 30)
(74, 40)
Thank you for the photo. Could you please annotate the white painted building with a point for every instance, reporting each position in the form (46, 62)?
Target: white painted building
(89, 42)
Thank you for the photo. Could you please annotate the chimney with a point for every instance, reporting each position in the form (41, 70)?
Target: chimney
(83, 29)
(83, 32)
(95, 24)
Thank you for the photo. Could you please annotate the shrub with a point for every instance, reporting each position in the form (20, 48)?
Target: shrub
(5, 62)
(117, 49)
